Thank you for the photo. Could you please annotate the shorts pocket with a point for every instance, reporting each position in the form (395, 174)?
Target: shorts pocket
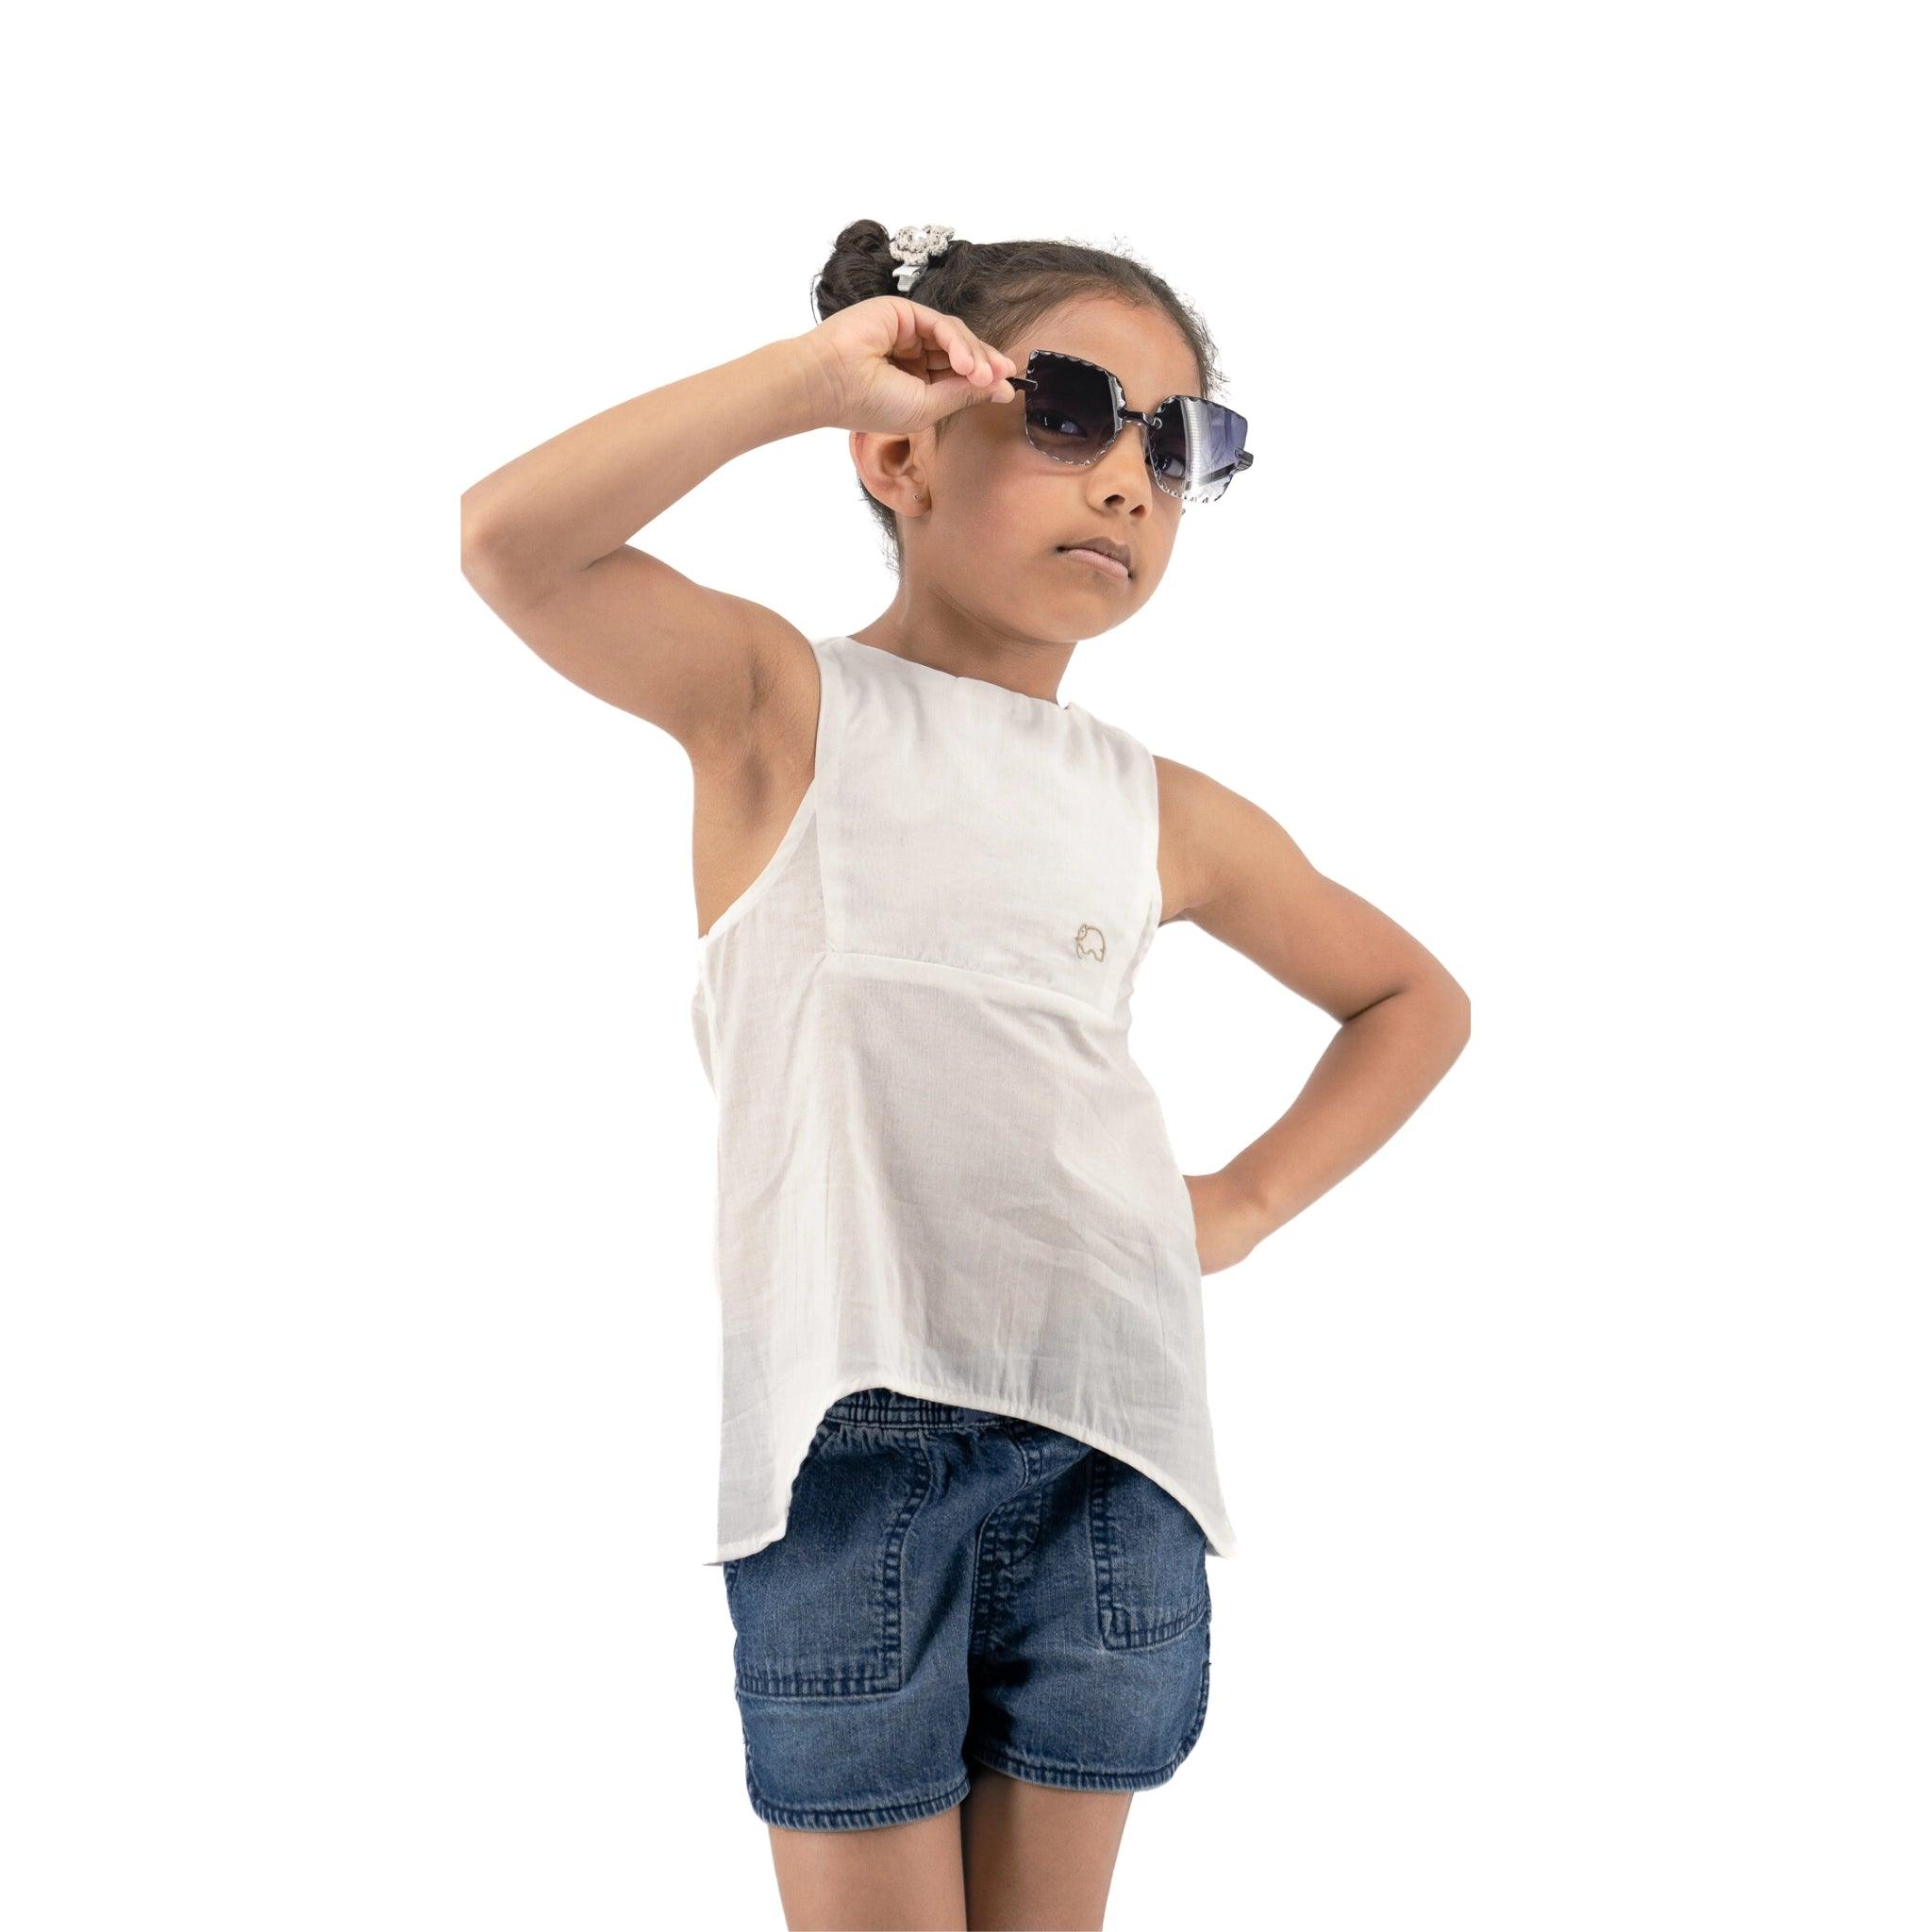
(1149, 1557)
(820, 1613)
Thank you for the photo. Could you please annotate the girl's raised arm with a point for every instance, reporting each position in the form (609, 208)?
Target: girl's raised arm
(543, 544)
(545, 538)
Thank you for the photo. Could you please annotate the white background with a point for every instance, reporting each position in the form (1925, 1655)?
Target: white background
(354, 1398)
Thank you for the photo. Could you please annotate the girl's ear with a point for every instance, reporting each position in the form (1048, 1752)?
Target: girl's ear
(891, 468)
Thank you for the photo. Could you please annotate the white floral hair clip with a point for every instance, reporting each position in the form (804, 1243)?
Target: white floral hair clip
(913, 249)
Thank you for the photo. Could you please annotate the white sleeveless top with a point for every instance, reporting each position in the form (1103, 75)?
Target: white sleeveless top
(939, 1169)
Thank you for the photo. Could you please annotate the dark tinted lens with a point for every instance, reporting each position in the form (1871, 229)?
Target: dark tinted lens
(1195, 448)
(1070, 414)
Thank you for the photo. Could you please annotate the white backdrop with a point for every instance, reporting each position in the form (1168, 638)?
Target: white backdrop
(354, 1451)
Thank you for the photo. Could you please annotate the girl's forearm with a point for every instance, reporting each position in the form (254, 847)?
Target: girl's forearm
(570, 501)
(1377, 1069)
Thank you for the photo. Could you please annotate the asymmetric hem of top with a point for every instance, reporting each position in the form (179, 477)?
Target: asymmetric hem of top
(939, 1169)
(1219, 1535)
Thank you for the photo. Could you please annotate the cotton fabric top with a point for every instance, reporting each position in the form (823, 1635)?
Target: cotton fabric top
(939, 1168)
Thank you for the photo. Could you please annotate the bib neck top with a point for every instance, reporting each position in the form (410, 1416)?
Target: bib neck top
(939, 1169)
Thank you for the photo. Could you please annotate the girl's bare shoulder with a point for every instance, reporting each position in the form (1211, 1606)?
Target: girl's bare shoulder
(1229, 866)
(1211, 838)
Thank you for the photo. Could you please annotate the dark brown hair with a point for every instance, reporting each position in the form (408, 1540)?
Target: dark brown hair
(999, 290)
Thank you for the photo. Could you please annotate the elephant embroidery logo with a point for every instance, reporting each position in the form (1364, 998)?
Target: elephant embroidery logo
(1090, 943)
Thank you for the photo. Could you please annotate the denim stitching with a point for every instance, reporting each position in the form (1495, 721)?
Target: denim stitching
(888, 1675)
(1119, 1627)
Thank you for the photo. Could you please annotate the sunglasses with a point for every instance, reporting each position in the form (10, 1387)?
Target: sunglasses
(1076, 410)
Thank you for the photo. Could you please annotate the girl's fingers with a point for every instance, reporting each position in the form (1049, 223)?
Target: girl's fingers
(954, 346)
(965, 356)
(965, 353)
(941, 331)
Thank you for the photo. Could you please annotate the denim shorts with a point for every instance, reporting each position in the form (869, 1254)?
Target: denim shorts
(956, 1588)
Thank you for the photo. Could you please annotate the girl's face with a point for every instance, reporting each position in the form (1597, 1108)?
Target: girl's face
(990, 513)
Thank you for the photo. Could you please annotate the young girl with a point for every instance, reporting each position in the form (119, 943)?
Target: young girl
(967, 1483)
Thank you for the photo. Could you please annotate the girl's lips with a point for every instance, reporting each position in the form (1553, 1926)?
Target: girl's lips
(1110, 564)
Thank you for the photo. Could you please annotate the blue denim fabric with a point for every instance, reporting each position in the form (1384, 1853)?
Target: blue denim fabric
(956, 1588)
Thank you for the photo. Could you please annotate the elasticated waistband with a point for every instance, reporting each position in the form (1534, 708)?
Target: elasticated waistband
(888, 1406)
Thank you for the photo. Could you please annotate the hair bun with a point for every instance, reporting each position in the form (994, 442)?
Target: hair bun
(868, 261)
